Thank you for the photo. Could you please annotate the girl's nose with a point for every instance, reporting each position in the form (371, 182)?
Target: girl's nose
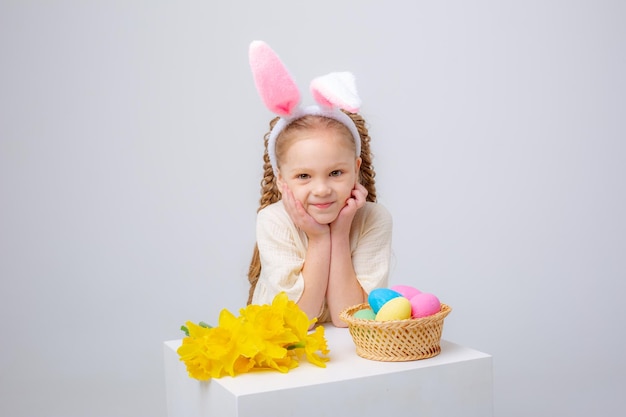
(321, 188)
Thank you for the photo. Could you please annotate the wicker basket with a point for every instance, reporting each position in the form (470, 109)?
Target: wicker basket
(396, 340)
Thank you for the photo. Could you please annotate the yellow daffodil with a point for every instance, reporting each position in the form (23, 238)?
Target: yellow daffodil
(262, 337)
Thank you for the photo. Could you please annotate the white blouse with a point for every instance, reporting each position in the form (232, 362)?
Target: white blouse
(282, 248)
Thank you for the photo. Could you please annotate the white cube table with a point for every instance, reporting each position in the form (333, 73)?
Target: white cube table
(457, 382)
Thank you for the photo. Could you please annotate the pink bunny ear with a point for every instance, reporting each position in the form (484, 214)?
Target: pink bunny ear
(273, 82)
(337, 89)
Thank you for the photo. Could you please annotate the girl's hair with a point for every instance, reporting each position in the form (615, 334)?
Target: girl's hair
(271, 194)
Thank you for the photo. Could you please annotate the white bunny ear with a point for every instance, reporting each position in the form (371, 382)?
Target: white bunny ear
(273, 82)
(337, 89)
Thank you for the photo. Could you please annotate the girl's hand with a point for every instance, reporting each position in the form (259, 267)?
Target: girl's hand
(300, 217)
(343, 222)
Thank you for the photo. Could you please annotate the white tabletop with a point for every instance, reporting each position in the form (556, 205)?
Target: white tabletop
(344, 364)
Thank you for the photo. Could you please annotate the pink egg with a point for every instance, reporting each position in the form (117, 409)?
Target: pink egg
(407, 291)
(424, 304)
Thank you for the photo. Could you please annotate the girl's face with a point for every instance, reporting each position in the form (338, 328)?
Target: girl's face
(321, 170)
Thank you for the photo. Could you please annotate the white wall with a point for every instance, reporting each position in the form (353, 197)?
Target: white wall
(130, 155)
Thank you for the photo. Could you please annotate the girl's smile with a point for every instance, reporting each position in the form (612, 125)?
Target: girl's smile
(322, 206)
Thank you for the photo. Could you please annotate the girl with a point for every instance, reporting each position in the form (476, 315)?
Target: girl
(321, 237)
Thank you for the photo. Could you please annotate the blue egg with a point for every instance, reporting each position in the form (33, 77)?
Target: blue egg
(380, 296)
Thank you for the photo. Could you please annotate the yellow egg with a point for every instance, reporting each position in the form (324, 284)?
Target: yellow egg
(398, 308)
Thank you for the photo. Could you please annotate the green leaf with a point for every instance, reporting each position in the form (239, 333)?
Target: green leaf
(185, 330)
(206, 326)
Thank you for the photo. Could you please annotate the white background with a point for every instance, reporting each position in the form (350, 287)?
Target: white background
(130, 161)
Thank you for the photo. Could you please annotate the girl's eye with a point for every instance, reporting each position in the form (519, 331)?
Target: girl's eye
(335, 173)
(302, 176)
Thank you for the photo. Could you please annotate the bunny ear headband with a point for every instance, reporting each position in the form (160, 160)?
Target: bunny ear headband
(332, 92)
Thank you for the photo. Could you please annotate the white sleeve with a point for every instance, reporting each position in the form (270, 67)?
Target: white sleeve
(282, 255)
(371, 254)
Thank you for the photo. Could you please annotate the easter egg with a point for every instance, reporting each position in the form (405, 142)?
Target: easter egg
(406, 290)
(424, 304)
(398, 308)
(365, 314)
(380, 296)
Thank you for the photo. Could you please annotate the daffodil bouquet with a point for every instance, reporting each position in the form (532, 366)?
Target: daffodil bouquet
(262, 337)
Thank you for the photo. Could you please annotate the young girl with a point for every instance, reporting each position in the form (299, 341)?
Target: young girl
(321, 237)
